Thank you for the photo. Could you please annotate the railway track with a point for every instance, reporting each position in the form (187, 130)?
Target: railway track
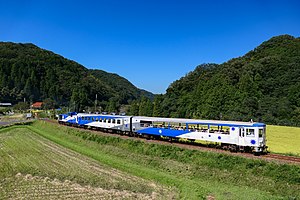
(293, 159)
(197, 146)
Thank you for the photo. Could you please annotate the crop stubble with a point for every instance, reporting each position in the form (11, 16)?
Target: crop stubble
(59, 172)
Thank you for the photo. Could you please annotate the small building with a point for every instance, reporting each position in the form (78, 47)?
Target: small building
(37, 105)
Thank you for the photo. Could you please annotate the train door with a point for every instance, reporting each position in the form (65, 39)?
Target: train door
(242, 136)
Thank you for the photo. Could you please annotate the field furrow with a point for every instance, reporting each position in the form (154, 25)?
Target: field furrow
(34, 167)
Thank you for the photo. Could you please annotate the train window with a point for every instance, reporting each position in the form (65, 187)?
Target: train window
(118, 121)
(93, 119)
(100, 120)
(97, 119)
(260, 132)
(104, 120)
(145, 123)
(250, 133)
(242, 132)
(108, 121)
(113, 121)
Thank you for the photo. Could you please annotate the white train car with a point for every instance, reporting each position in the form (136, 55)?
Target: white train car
(230, 134)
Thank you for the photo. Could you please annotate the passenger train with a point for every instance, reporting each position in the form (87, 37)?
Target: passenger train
(231, 135)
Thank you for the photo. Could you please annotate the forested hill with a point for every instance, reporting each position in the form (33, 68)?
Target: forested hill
(126, 89)
(263, 85)
(27, 71)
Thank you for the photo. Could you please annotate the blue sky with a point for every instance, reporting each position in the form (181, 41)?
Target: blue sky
(150, 42)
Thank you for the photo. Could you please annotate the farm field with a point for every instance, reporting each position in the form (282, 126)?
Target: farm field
(33, 167)
(15, 117)
(153, 171)
(283, 139)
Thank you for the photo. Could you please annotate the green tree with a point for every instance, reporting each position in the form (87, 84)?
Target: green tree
(157, 106)
(145, 107)
(134, 108)
(21, 106)
(48, 104)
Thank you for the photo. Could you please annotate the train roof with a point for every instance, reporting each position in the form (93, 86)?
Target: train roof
(102, 115)
(204, 122)
(181, 120)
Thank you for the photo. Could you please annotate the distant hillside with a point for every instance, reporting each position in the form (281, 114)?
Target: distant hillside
(125, 89)
(263, 85)
(27, 71)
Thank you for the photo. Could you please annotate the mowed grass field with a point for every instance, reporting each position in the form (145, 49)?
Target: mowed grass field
(49, 161)
(283, 139)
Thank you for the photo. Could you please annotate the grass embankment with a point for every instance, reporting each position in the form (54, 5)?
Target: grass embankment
(33, 167)
(283, 139)
(194, 174)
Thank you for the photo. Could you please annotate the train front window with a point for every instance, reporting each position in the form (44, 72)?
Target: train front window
(261, 132)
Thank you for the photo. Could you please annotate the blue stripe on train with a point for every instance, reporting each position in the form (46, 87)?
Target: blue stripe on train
(83, 122)
(163, 132)
(72, 121)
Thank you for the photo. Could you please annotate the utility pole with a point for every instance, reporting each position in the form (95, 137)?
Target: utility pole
(96, 102)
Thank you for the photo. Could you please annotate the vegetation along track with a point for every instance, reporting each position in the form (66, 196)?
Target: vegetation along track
(200, 146)
(186, 173)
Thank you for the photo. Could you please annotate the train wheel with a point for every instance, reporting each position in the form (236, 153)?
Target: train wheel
(257, 153)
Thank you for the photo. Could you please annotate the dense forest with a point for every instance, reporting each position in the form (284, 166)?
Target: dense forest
(263, 85)
(27, 71)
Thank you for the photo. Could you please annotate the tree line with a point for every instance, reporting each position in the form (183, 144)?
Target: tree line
(263, 85)
(34, 74)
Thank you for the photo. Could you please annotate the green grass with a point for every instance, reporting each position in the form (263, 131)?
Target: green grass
(189, 174)
(283, 139)
(194, 174)
(26, 154)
